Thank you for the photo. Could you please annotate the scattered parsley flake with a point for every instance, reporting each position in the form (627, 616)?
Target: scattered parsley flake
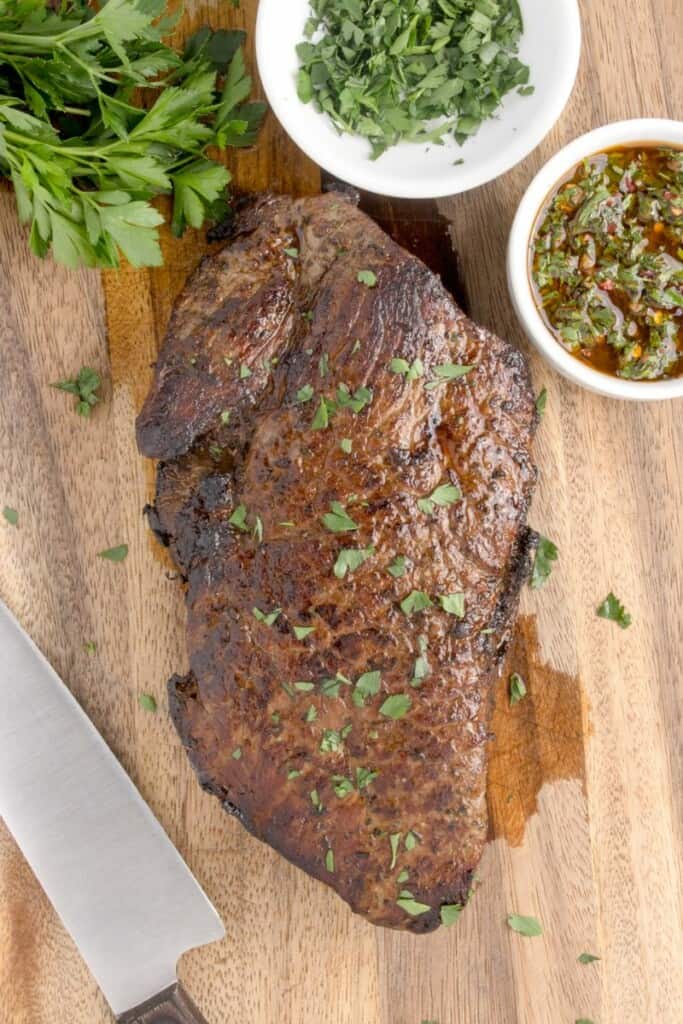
(366, 686)
(11, 515)
(546, 554)
(293, 773)
(416, 601)
(446, 372)
(396, 706)
(412, 906)
(337, 520)
(394, 841)
(225, 417)
(329, 861)
(304, 394)
(444, 496)
(367, 277)
(517, 689)
(612, 609)
(311, 714)
(245, 372)
(236, 754)
(398, 567)
(301, 632)
(403, 876)
(527, 926)
(315, 800)
(267, 619)
(346, 445)
(90, 647)
(116, 554)
(238, 519)
(454, 604)
(450, 912)
(84, 388)
(293, 252)
(542, 401)
(587, 958)
(147, 702)
(411, 841)
(364, 776)
(350, 559)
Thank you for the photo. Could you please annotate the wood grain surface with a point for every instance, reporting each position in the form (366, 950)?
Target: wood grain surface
(585, 787)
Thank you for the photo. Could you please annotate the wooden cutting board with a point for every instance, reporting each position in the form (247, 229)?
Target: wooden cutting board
(585, 783)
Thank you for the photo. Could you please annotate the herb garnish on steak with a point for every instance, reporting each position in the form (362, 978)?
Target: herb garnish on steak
(362, 710)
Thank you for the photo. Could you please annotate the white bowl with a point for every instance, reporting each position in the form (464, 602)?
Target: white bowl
(519, 281)
(551, 45)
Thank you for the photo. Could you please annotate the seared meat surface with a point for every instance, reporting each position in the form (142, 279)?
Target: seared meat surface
(352, 531)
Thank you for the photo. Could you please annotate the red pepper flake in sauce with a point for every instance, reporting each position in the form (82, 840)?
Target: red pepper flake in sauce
(607, 262)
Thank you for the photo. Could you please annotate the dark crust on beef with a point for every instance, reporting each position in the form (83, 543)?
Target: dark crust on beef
(244, 306)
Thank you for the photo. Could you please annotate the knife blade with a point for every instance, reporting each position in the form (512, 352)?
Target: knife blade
(117, 882)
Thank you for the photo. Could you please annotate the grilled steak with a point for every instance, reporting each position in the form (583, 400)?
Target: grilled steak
(352, 532)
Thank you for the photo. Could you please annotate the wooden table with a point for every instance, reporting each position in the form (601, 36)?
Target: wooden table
(585, 787)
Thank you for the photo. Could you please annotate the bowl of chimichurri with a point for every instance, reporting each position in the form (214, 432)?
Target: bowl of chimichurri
(595, 260)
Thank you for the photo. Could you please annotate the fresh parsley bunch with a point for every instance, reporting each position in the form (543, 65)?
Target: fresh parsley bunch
(84, 157)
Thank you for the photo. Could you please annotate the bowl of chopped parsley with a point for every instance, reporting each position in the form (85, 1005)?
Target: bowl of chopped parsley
(418, 98)
(595, 260)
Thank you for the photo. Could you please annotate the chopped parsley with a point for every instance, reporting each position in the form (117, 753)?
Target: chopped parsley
(454, 604)
(337, 520)
(329, 861)
(396, 706)
(450, 912)
(422, 668)
(587, 958)
(444, 495)
(238, 519)
(546, 554)
(236, 754)
(341, 786)
(303, 687)
(225, 417)
(420, 72)
(416, 601)
(612, 609)
(366, 686)
(542, 401)
(293, 252)
(311, 714)
(301, 632)
(116, 554)
(527, 926)
(304, 394)
(84, 388)
(412, 906)
(411, 841)
(447, 371)
(346, 445)
(364, 776)
(267, 619)
(411, 371)
(293, 773)
(245, 372)
(90, 647)
(315, 800)
(148, 702)
(331, 741)
(517, 689)
(11, 515)
(398, 567)
(321, 420)
(367, 277)
(350, 559)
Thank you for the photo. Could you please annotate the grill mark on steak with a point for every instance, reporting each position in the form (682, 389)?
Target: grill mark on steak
(252, 303)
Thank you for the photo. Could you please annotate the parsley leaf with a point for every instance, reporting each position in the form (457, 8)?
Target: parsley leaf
(446, 372)
(454, 604)
(411, 371)
(301, 632)
(396, 706)
(450, 913)
(444, 495)
(612, 609)
(367, 277)
(546, 554)
(517, 689)
(527, 926)
(11, 515)
(412, 906)
(116, 554)
(398, 567)
(350, 559)
(84, 387)
(268, 619)
(366, 686)
(337, 520)
(416, 601)
(542, 401)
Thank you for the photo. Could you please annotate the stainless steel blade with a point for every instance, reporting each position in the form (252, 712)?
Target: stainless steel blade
(114, 877)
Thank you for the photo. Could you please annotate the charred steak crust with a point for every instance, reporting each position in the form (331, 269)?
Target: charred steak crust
(272, 357)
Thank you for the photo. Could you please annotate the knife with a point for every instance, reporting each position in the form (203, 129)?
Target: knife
(117, 882)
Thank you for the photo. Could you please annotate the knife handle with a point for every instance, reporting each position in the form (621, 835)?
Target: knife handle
(172, 1006)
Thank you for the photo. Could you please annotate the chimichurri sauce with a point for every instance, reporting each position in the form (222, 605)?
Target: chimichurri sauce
(607, 262)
